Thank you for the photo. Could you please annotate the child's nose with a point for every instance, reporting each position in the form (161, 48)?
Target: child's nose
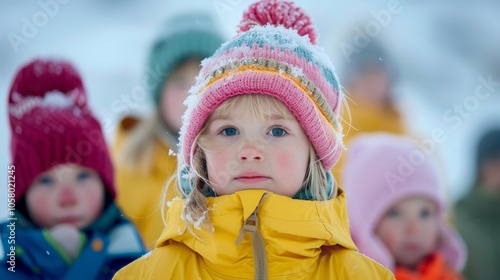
(250, 153)
(412, 227)
(67, 197)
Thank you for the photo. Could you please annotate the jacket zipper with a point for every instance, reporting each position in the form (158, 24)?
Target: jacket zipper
(259, 251)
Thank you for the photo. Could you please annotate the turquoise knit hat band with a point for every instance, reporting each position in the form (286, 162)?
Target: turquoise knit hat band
(186, 36)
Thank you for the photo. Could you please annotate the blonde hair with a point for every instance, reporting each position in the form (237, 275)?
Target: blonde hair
(137, 150)
(254, 106)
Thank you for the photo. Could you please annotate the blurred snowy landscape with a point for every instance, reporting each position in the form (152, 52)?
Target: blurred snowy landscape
(444, 50)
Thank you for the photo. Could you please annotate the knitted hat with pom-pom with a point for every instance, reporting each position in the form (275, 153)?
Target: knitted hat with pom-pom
(275, 53)
(51, 125)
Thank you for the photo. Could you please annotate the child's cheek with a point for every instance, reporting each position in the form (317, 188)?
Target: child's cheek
(221, 167)
(43, 206)
(94, 199)
(284, 159)
(389, 237)
(290, 163)
(220, 162)
(40, 207)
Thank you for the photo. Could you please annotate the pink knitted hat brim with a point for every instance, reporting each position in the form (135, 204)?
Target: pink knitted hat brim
(272, 84)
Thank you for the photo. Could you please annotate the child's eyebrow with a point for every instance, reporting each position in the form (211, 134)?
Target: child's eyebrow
(272, 117)
(220, 118)
(275, 117)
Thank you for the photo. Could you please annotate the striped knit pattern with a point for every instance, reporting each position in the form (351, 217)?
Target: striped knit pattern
(276, 61)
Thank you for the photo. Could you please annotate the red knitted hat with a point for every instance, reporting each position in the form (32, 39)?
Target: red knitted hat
(51, 124)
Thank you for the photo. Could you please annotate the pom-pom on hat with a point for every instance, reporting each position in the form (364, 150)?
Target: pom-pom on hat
(273, 54)
(51, 124)
(381, 170)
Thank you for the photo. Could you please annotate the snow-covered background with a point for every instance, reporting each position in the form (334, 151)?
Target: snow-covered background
(442, 48)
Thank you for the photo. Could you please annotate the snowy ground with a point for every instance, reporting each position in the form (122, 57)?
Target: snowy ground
(441, 49)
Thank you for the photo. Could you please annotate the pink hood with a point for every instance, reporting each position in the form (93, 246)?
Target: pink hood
(380, 170)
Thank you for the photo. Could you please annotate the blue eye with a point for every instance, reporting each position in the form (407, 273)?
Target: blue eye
(83, 175)
(425, 213)
(277, 131)
(46, 180)
(230, 131)
(393, 213)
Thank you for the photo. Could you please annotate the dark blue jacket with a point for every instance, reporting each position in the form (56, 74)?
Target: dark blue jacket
(110, 243)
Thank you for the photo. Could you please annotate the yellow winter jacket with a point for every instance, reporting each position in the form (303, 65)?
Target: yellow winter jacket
(139, 192)
(366, 118)
(281, 238)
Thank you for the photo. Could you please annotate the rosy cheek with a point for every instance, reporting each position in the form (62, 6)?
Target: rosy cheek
(434, 232)
(219, 162)
(387, 232)
(94, 200)
(291, 164)
(389, 239)
(221, 168)
(284, 160)
(40, 207)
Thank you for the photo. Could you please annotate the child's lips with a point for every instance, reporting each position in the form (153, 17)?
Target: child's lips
(252, 178)
(412, 246)
(74, 220)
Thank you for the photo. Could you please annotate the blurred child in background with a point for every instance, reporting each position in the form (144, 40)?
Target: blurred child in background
(395, 209)
(369, 78)
(478, 213)
(67, 225)
(144, 150)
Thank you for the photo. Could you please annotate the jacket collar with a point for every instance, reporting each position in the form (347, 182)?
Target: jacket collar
(294, 230)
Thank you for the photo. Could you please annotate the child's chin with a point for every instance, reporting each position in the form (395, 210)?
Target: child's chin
(249, 187)
(78, 223)
(411, 260)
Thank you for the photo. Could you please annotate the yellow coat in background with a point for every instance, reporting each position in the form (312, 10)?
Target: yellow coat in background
(366, 118)
(301, 240)
(139, 191)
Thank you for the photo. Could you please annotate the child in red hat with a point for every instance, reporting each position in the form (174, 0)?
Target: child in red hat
(65, 222)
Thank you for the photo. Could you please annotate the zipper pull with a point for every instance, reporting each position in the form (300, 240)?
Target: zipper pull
(249, 226)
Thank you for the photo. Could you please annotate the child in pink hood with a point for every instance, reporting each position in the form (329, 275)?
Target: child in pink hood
(395, 210)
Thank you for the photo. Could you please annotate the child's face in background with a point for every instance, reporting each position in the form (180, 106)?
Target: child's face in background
(247, 149)
(410, 230)
(490, 175)
(175, 91)
(372, 85)
(66, 194)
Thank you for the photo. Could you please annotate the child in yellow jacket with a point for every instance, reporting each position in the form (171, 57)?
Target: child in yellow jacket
(144, 149)
(259, 137)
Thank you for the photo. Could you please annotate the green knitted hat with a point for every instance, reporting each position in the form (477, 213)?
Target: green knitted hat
(184, 36)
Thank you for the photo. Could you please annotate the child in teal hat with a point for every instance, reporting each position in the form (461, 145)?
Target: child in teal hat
(145, 149)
